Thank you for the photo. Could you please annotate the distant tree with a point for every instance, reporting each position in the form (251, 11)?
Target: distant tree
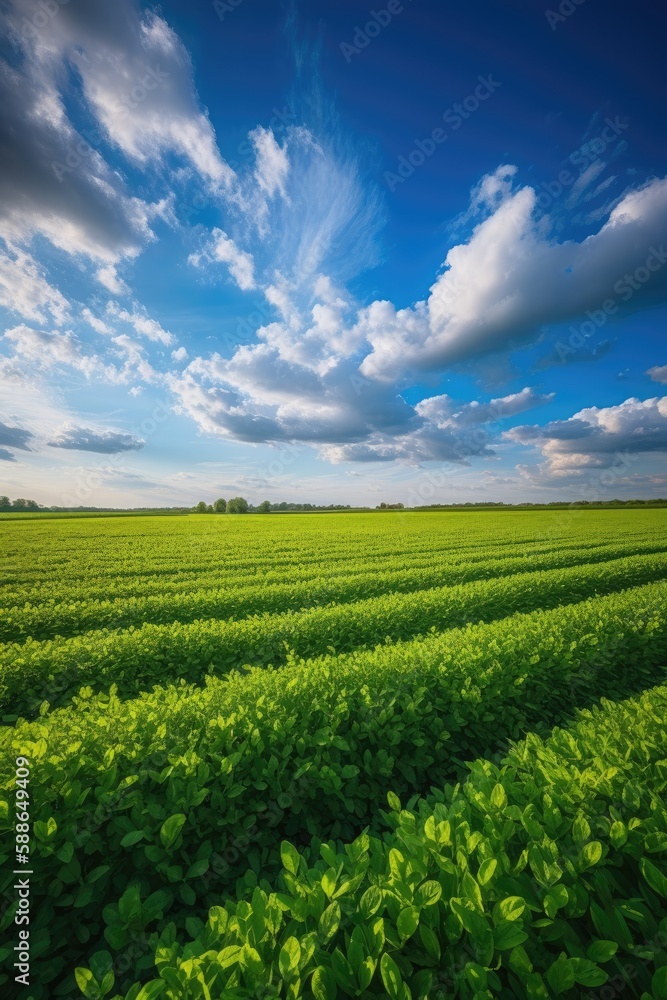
(220, 506)
(20, 504)
(5, 503)
(201, 507)
(209, 509)
(264, 507)
(237, 505)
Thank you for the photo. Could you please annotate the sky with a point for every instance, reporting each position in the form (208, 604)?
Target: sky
(330, 253)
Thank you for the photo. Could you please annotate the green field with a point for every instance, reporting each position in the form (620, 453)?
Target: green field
(404, 754)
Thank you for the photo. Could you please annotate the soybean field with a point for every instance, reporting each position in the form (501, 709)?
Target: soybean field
(400, 754)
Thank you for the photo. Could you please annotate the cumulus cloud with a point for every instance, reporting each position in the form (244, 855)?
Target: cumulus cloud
(443, 411)
(25, 290)
(104, 442)
(133, 77)
(222, 248)
(135, 73)
(86, 210)
(597, 437)
(658, 373)
(41, 349)
(510, 280)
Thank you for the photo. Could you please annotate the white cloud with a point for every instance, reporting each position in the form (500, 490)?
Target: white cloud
(25, 290)
(510, 280)
(97, 324)
(222, 248)
(598, 437)
(443, 411)
(109, 278)
(658, 373)
(142, 322)
(272, 163)
(136, 77)
(180, 354)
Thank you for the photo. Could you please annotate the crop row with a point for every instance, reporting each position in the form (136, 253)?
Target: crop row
(253, 571)
(74, 551)
(177, 792)
(219, 558)
(136, 659)
(186, 580)
(539, 877)
(60, 618)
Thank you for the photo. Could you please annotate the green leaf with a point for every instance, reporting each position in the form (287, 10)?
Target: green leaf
(330, 921)
(560, 974)
(486, 870)
(197, 869)
(555, 899)
(370, 902)
(228, 956)
(590, 853)
(428, 893)
(508, 934)
(151, 990)
(86, 982)
(250, 959)
(586, 972)
(394, 801)
(391, 976)
(132, 838)
(602, 951)
(171, 828)
(322, 985)
(408, 921)
(476, 975)
(289, 958)
(509, 908)
(653, 876)
(498, 797)
(519, 961)
(289, 857)
(659, 984)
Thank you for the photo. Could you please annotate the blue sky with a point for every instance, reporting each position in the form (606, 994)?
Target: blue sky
(332, 253)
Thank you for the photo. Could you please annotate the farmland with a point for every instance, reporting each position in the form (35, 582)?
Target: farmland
(404, 754)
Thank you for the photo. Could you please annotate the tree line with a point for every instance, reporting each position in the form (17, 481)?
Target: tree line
(239, 505)
(19, 504)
